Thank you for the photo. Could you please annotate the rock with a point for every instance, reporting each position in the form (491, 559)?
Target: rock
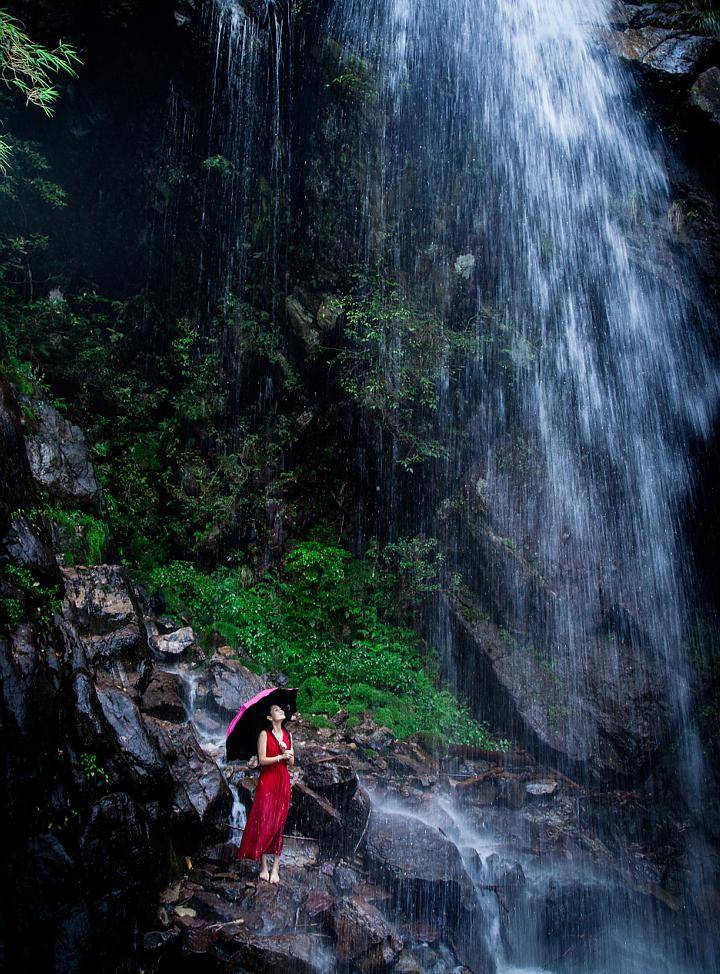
(333, 777)
(368, 734)
(663, 51)
(172, 645)
(417, 862)
(20, 542)
(145, 763)
(296, 953)
(615, 721)
(380, 739)
(116, 847)
(165, 697)
(101, 607)
(48, 881)
(231, 684)
(355, 821)
(312, 815)
(363, 935)
(705, 94)
(59, 457)
(27, 549)
(541, 789)
(202, 797)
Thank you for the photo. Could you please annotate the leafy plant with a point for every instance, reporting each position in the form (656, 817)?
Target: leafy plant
(323, 621)
(30, 69)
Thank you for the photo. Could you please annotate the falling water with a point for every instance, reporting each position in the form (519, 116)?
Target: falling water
(514, 160)
(512, 187)
(519, 193)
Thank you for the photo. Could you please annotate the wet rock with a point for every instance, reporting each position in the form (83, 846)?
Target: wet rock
(27, 548)
(663, 50)
(31, 726)
(363, 936)
(59, 457)
(355, 821)
(705, 94)
(312, 314)
(48, 881)
(380, 739)
(145, 763)
(311, 814)
(295, 953)
(201, 796)
(615, 721)
(424, 870)
(173, 645)
(231, 684)
(116, 847)
(101, 607)
(333, 777)
(541, 789)
(165, 697)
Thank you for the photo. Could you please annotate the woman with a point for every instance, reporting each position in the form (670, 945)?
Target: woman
(263, 833)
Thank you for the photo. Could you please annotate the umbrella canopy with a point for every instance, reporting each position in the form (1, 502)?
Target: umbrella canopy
(242, 733)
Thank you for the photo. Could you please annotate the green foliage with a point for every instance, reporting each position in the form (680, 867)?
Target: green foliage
(392, 366)
(323, 620)
(91, 768)
(218, 164)
(145, 389)
(82, 538)
(355, 79)
(26, 598)
(30, 68)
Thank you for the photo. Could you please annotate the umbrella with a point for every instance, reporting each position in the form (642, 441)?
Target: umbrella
(242, 733)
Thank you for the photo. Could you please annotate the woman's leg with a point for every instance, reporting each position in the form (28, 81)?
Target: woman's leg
(275, 874)
(264, 872)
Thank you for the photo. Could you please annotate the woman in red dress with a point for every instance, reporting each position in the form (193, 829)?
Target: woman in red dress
(263, 833)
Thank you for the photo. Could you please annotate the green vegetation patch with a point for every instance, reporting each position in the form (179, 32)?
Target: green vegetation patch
(325, 620)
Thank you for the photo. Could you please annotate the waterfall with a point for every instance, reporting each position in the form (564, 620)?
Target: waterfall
(549, 377)
(519, 195)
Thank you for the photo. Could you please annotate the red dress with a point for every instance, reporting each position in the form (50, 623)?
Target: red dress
(271, 803)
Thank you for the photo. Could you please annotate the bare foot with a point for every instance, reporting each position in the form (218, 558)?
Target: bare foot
(264, 874)
(274, 878)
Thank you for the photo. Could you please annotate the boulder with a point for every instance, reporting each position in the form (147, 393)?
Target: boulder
(27, 548)
(705, 94)
(663, 51)
(332, 776)
(116, 848)
(99, 603)
(363, 936)
(614, 720)
(423, 869)
(172, 645)
(231, 684)
(311, 814)
(426, 876)
(201, 796)
(165, 697)
(145, 763)
(59, 457)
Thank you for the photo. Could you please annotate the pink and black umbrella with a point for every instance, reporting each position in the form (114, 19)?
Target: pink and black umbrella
(242, 733)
